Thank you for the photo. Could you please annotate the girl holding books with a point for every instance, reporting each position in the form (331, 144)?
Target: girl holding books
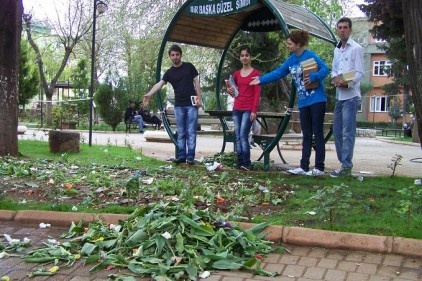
(308, 72)
(245, 106)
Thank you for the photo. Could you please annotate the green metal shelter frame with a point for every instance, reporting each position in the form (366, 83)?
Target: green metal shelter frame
(214, 24)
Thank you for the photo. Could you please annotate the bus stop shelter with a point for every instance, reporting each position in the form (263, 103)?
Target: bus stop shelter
(215, 23)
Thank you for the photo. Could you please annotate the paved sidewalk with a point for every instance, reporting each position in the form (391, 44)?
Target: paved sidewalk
(298, 264)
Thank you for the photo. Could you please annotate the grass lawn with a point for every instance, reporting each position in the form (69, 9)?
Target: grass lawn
(110, 179)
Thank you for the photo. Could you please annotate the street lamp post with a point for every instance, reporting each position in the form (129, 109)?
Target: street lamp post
(101, 7)
(373, 105)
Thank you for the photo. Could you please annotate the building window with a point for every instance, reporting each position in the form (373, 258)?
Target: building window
(379, 104)
(381, 68)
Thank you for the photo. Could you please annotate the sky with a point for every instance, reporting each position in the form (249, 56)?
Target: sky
(42, 8)
(357, 12)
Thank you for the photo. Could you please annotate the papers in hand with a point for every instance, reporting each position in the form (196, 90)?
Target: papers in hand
(309, 66)
(231, 84)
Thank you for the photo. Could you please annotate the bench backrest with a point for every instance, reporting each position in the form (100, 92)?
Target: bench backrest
(201, 113)
(203, 117)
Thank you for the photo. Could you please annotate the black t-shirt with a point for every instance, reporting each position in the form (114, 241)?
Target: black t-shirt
(181, 78)
(129, 113)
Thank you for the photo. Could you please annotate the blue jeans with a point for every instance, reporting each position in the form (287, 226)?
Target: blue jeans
(138, 119)
(186, 123)
(242, 126)
(312, 123)
(344, 129)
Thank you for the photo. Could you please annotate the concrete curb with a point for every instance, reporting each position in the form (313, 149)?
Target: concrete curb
(277, 234)
(389, 140)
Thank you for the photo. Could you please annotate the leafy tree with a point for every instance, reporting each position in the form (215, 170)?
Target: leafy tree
(401, 50)
(391, 89)
(328, 10)
(206, 61)
(10, 30)
(69, 30)
(366, 87)
(141, 69)
(29, 79)
(136, 29)
(395, 110)
(80, 81)
(111, 100)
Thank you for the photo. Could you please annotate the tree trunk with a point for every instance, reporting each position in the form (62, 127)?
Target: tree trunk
(49, 109)
(10, 35)
(415, 137)
(412, 10)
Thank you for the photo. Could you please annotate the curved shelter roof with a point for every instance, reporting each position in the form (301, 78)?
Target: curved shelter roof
(214, 24)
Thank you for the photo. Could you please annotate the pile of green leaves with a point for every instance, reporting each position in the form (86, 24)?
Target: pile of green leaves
(167, 241)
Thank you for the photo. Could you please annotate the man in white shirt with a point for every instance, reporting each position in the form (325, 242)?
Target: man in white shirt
(348, 57)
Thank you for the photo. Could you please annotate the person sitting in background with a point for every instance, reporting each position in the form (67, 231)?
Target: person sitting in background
(131, 115)
(147, 117)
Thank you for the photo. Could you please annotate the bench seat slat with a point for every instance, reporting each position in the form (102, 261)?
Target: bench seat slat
(284, 136)
(201, 121)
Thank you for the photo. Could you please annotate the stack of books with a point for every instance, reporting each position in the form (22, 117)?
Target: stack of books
(347, 76)
(309, 66)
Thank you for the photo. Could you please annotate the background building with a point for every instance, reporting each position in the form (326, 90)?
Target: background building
(376, 104)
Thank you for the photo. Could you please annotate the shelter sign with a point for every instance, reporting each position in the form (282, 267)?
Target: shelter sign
(219, 7)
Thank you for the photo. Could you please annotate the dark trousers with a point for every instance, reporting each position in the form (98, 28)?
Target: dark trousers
(152, 120)
(312, 123)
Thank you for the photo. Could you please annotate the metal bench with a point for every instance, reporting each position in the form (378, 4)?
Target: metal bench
(295, 134)
(203, 118)
(396, 132)
(130, 125)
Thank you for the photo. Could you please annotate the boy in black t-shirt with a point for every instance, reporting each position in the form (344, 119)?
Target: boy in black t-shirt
(184, 78)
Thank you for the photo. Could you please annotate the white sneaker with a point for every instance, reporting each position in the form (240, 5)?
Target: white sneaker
(297, 171)
(315, 172)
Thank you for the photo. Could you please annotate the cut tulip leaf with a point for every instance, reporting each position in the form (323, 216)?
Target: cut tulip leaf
(88, 249)
(227, 264)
